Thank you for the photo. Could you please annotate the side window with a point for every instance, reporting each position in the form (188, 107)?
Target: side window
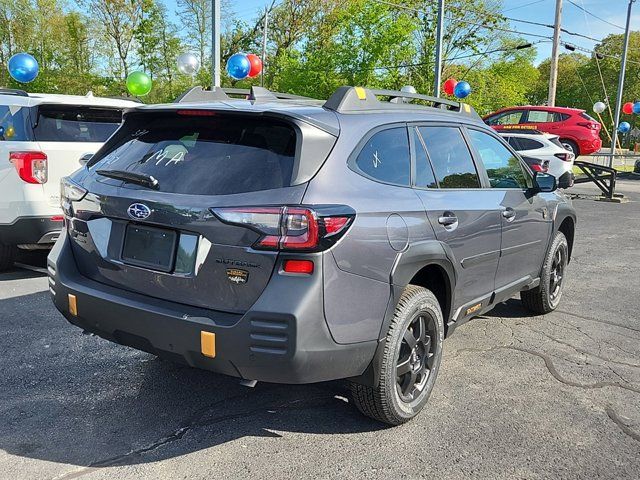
(425, 177)
(14, 124)
(386, 157)
(450, 157)
(529, 144)
(514, 142)
(507, 118)
(539, 116)
(503, 168)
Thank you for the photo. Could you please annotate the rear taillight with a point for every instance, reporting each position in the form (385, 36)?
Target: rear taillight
(537, 168)
(565, 157)
(31, 166)
(291, 228)
(589, 125)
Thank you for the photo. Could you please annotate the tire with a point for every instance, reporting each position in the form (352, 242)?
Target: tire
(392, 402)
(571, 146)
(7, 256)
(546, 296)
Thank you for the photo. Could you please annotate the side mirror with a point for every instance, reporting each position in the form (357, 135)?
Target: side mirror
(545, 182)
(566, 180)
(84, 159)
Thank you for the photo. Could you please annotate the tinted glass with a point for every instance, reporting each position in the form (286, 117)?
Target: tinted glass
(586, 116)
(556, 142)
(503, 167)
(204, 155)
(425, 177)
(540, 116)
(450, 157)
(386, 157)
(14, 124)
(507, 118)
(529, 144)
(72, 123)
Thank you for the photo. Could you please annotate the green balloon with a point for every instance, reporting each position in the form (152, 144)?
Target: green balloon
(139, 84)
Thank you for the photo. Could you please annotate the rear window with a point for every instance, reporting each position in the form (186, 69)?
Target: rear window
(73, 123)
(14, 123)
(213, 154)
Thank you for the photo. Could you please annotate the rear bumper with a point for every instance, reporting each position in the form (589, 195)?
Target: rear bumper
(283, 338)
(589, 146)
(30, 230)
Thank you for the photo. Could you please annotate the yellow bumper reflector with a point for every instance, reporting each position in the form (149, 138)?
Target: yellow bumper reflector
(208, 344)
(362, 94)
(73, 305)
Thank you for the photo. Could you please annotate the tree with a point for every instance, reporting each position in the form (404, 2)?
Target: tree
(119, 20)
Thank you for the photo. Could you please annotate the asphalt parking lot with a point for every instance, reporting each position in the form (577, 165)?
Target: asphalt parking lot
(518, 396)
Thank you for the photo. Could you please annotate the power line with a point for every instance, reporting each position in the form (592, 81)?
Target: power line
(563, 30)
(594, 15)
(525, 5)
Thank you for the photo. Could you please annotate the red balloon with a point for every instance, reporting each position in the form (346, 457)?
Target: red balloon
(628, 108)
(256, 65)
(449, 86)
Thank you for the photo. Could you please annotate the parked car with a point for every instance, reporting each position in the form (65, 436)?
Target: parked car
(287, 240)
(636, 167)
(548, 149)
(42, 138)
(578, 132)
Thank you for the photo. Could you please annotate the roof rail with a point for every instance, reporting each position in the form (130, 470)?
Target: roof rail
(13, 91)
(255, 94)
(358, 99)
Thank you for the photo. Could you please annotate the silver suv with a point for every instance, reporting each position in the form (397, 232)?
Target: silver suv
(284, 239)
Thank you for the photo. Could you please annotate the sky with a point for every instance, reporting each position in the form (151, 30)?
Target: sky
(542, 11)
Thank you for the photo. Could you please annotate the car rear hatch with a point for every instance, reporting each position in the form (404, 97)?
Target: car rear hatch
(157, 218)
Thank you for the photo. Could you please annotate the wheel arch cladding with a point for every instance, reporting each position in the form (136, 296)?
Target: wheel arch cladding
(567, 227)
(427, 265)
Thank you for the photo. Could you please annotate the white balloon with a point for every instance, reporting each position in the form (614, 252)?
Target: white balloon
(599, 107)
(188, 64)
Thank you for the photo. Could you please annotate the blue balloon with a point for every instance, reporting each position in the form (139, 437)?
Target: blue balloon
(624, 127)
(23, 68)
(462, 90)
(636, 108)
(1, 131)
(238, 66)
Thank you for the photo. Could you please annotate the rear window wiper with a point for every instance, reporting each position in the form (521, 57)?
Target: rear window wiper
(131, 177)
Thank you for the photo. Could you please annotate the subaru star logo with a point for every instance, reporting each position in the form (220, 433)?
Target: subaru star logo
(138, 211)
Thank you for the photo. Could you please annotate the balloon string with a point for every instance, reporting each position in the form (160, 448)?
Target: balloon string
(604, 126)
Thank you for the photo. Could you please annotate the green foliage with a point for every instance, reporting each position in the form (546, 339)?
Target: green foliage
(313, 48)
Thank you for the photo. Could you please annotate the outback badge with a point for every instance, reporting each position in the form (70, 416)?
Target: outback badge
(237, 276)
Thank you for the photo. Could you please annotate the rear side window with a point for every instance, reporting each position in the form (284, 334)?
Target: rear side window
(503, 167)
(556, 142)
(542, 116)
(215, 154)
(450, 157)
(527, 144)
(14, 124)
(386, 158)
(73, 123)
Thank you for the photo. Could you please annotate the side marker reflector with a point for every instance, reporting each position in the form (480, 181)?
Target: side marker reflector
(73, 305)
(208, 344)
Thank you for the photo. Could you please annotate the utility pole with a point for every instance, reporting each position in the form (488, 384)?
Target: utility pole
(264, 45)
(623, 66)
(439, 35)
(215, 44)
(555, 54)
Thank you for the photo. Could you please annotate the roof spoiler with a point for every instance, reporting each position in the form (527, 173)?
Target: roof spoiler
(359, 99)
(13, 91)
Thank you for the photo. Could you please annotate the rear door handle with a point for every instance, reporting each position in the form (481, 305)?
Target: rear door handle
(509, 214)
(447, 219)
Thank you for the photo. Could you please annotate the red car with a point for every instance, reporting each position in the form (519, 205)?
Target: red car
(578, 132)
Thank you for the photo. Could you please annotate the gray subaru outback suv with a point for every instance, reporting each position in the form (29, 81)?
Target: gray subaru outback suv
(283, 239)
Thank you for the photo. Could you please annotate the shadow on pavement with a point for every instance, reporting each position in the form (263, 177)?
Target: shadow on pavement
(77, 399)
